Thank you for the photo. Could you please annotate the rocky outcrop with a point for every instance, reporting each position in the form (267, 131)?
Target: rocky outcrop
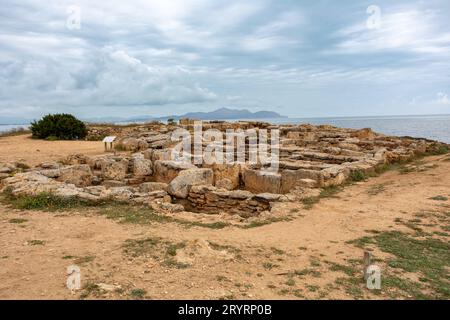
(141, 167)
(240, 202)
(180, 186)
(114, 168)
(261, 181)
(79, 175)
(144, 173)
(167, 170)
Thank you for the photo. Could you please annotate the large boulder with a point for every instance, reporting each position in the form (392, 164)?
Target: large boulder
(51, 173)
(158, 141)
(29, 183)
(114, 169)
(141, 166)
(290, 179)
(158, 154)
(77, 158)
(180, 186)
(226, 175)
(259, 181)
(132, 144)
(79, 175)
(167, 170)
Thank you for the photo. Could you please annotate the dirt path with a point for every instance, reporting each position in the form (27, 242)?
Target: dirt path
(282, 260)
(32, 152)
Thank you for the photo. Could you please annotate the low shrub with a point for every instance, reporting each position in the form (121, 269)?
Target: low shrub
(59, 127)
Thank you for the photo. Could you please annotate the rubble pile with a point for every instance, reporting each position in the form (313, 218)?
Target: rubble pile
(142, 170)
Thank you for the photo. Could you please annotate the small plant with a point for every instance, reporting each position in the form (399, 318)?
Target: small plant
(17, 220)
(357, 176)
(269, 265)
(36, 242)
(90, 288)
(83, 260)
(290, 282)
(59, 127)
(438, 149)
(138, 293)
(439, 198)
(309, 202)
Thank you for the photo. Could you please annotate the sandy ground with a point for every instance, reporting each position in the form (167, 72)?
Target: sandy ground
(222, 263)
(33, 151)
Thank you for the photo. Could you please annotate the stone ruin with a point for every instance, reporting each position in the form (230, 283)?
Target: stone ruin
(310, 158)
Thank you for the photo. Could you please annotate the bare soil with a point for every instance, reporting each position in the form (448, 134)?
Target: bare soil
(34, 151)
(168, 260)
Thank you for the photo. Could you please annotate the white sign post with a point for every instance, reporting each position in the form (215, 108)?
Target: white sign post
(110, 140)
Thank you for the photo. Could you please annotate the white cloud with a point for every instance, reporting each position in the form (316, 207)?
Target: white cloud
(268, 36)
(409, 30)
(442, 99)
(116, 78)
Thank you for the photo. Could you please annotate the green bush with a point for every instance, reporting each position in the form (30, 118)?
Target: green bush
(59, 126)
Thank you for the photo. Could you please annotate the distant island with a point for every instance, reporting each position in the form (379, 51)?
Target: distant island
(219, 114)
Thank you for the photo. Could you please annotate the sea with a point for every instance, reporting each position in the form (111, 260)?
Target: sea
(435, 127)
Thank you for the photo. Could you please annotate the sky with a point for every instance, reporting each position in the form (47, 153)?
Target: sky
(299, 58)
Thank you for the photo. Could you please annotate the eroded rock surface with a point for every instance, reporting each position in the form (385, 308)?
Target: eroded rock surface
(144, 173)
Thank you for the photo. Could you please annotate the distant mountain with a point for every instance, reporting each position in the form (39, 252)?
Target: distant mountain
(219, 114)
(225, 114)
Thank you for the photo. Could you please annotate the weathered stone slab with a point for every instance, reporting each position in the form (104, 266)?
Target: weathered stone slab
(167, 170)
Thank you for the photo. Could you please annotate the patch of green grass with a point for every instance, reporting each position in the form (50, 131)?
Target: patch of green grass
(357, 176)
(429, 258)
(222, 278)
(260, 223)
(83, 260)
(277, 251)
(173, 247)
(157, 248)
(36, 242)
(17, 220)
(140, 247)
(312, 288)
(326, 192)
(88, 289)
(314, 262)
(439, 198)
(290, 282)
(45, 201)
(330, 191)
(172, 263)
(438, 149)
(361, 242)
(308, 203)
(220, 247)
(307, 271)
(138, 293)
(348, 270)
(142, 215)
